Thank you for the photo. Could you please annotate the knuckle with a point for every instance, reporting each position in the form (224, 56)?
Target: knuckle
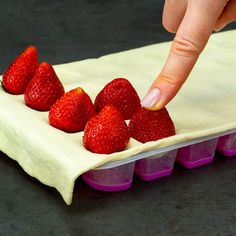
(185, 47)
(167, 79)
(172, 80)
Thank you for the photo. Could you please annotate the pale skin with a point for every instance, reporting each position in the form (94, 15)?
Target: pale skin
(193, 21)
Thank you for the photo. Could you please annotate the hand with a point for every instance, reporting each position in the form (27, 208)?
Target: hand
(193, 22)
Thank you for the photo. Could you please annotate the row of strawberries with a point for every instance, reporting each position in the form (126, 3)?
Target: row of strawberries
(103, 123)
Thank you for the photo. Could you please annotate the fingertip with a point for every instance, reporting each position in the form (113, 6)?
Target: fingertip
(169, 26)
(173, 15)
(157, 106)
(219, 27)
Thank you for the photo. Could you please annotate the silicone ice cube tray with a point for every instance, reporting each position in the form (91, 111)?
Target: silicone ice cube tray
(118, 176)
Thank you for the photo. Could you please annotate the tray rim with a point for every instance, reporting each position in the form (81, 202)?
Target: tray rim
(163, 150)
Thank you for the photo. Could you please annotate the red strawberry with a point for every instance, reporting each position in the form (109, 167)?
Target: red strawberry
(21, 70)
(71, 112)
(106, 132)
(122, 95)
(44, 89)
(147, 125)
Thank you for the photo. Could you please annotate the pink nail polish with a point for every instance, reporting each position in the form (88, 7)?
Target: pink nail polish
(151, 98)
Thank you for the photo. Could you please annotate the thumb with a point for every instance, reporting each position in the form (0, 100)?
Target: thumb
(191, 37)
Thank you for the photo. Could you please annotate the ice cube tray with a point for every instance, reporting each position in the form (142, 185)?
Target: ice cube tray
(116, 177)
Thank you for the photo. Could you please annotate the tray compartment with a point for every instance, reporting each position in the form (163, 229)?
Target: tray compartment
(197, 154)
(227, 145)
(111, 179)
(156, 166)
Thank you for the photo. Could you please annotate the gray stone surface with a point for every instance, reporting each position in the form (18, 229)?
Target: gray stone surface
(190, 202)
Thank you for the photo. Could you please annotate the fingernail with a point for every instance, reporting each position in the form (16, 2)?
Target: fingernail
(151, 98)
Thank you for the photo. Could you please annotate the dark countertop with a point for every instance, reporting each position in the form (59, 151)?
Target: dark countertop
(190, 202)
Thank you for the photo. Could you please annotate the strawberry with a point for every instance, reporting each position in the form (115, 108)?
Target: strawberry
(147, 125)
(106, 132)
(44, 88)
(20, 71)
(122, 95)
(71, 112)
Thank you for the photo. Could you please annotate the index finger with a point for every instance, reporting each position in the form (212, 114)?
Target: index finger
(190, 40)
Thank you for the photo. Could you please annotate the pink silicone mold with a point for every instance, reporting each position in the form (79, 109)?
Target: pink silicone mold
(227, 145)
(156, 166)
(111, 179)
(197, 154)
